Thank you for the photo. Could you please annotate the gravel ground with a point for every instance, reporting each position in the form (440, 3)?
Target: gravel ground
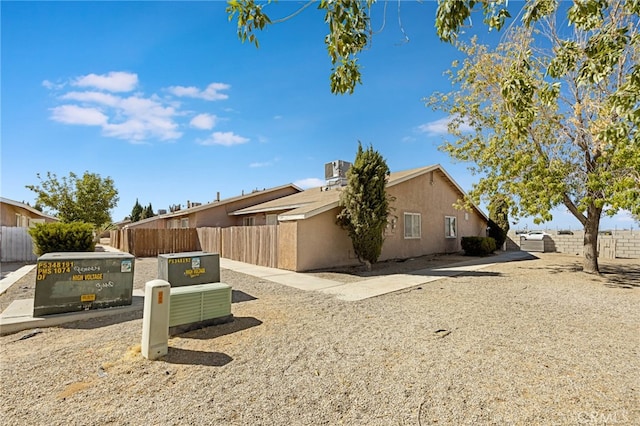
(529, 342)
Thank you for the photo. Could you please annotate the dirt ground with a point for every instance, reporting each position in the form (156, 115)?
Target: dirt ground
(531, 342)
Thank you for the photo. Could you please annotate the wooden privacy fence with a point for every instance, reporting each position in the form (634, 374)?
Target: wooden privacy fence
(16, 245)
(257, 245)
(210, 239)
(251, 244)
(152, 242)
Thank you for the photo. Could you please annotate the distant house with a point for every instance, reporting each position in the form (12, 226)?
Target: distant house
(216, 213)
(14, 213)
(423, 221)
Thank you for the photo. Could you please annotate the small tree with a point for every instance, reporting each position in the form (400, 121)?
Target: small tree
(136, 212)
(88, 199)
(499, 219)
(147, 212)
(365, 205)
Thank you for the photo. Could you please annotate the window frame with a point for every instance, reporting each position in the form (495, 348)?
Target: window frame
(271, 219)
(447, 227)
(249, 221)
(412, 236)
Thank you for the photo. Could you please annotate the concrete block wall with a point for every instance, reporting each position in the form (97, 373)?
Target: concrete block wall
(624, 244)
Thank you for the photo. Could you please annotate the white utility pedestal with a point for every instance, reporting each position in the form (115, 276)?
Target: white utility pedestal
(155, 320)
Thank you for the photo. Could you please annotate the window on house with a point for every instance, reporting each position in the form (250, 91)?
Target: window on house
(248, 221)
(412, 225)
(174, 224)
(184, 222)
(272, 219)
(450, 227)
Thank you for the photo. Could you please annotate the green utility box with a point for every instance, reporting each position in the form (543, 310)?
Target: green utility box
(198, 306)
(189, 268)
(78, 281)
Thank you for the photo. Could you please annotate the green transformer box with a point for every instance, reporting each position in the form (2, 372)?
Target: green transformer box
(189, 268)
(78, 281)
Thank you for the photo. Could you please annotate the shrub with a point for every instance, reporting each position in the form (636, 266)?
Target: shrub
(62, 237)
(478, 246)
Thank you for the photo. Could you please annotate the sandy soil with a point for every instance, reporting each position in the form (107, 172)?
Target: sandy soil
(528, 342)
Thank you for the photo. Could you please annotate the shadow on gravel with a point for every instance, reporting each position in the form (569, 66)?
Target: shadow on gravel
(98, 322)
(445, 273)
(430, 265)
(614, 276)
(620, 276)
(238, 324)
(238, 296)
(186, 356)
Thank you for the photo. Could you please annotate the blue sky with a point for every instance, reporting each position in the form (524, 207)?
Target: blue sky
(164, 98)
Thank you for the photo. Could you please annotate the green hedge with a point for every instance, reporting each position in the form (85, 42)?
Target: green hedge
(478, 246)
(62, 237)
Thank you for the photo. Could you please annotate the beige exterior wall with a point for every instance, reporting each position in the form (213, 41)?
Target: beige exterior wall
(10, 215)
(322, 243)
(432, 196)
(217, 216)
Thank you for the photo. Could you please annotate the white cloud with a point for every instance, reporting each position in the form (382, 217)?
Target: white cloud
(52, 86)
(624, 216)
(224, 138)
(204, 121)
(258, 165)
(211, 93)
(440, 127)
(92, 97)
(309, 183)
(101, 101)
(265, 163)
(73, 114)
(133, 118)
(114, 81)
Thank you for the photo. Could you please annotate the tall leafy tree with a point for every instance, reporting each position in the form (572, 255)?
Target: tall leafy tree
(77, 199)
(554, 110)
(136, 212)
(365, 204)
(550, 116)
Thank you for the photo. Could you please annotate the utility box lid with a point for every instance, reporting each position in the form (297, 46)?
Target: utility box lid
(77, 281)
(189, 268)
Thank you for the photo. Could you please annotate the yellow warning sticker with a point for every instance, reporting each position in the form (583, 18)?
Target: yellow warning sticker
(87, 297)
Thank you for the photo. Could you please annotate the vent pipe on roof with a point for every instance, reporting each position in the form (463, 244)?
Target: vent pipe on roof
(218, 196)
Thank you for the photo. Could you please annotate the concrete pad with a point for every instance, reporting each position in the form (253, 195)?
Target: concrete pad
(14, 276)
(387, 284)
(280, 276)
(19, 315)
(375, 286)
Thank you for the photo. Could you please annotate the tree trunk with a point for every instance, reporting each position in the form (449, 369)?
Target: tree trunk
(591, 228)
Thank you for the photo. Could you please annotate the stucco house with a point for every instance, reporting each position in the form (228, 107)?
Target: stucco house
(423, 221)
(15, 213)
(216, 213)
